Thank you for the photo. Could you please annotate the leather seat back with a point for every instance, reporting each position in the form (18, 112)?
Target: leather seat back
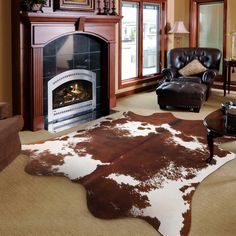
(180, 57)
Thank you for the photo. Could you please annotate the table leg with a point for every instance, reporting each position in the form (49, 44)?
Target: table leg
(224, 78)
(210, 141)
(229, 75)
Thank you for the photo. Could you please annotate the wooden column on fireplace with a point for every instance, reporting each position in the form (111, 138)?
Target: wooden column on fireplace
(34, 32)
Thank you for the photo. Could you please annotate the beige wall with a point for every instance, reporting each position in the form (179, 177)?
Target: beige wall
(231, 23)
(5, 51)
(181, 13)
(177, 10)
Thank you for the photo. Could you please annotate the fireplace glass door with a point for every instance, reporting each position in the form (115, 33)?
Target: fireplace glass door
(71, 93)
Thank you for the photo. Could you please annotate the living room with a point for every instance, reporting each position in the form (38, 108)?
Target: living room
(44, 205)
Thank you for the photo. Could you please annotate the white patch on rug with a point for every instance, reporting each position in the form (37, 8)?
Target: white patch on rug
(139, 129)
(123, 179)
(192, 145)
(57, 146)
(76, 167)
(136, 128)
(168, 127)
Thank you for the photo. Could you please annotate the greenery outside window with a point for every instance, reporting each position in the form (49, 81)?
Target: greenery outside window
(142, 40)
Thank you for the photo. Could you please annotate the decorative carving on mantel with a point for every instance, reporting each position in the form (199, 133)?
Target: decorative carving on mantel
(79, 25)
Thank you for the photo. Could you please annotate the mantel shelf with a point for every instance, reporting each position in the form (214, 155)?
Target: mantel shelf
(60, 17)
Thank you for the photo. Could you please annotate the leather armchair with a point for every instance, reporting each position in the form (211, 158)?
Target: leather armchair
(10, 145)
(177, 58)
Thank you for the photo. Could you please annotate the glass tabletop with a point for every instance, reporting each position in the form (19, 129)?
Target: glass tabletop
(215, 122)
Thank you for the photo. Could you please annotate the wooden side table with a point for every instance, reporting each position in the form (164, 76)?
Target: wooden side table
(228, 65)
(215, 124)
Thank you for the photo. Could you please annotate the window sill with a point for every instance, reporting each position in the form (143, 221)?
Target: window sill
(137, 81)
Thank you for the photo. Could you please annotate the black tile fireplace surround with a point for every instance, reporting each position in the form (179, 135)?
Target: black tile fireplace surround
(70, 53)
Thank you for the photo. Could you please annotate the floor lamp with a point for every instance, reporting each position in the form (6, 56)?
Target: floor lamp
(178, 29)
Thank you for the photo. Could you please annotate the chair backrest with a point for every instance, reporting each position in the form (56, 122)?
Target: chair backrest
(179, 57)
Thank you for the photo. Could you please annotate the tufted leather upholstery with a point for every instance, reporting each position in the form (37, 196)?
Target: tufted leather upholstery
(177, 58)
(182, 95)
(180, 57)
(190, 91)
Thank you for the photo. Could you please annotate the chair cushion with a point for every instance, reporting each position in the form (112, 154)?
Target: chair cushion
(193, 79)
(4, 110)
(192, 68)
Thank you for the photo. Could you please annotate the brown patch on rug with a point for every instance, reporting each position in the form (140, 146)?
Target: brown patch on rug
(134, 166)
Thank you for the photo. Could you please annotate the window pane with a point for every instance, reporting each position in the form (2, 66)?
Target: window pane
(151, 39)
(209, 36)
(129, 40)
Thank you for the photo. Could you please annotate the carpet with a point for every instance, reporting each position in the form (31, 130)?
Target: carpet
(134, 166)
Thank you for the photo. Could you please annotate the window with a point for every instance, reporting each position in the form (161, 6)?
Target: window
(130, 25)
(142, 40)
(151, 38)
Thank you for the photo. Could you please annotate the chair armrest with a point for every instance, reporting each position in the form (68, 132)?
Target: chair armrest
(208, 76)
(169, 73)
(10, 126)
(4, 110)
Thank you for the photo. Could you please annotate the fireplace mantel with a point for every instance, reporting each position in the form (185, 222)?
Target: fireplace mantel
(46, 27)
(34, 32)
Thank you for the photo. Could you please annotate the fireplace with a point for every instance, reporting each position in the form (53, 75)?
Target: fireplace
(73, 68)
(51, 46)
(70, 95)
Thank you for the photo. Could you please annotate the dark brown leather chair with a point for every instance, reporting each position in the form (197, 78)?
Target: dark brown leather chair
(10, 145)
(169, 86)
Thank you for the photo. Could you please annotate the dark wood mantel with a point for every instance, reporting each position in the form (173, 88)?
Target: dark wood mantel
(45, 27)
(34, 31)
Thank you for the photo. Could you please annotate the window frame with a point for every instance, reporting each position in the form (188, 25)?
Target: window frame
(147, 78)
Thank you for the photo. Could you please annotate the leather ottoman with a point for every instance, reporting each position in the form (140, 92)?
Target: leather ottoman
(188, 95)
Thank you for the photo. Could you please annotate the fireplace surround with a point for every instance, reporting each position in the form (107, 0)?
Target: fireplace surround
(32, 33)
(73, 85)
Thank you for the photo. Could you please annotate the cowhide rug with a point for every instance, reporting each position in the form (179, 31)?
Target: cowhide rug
(134, 166)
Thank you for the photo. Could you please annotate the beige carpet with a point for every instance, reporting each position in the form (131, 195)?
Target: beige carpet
(33, 205)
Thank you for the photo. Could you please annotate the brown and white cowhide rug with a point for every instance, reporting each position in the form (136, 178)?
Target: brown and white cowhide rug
(134, 166)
